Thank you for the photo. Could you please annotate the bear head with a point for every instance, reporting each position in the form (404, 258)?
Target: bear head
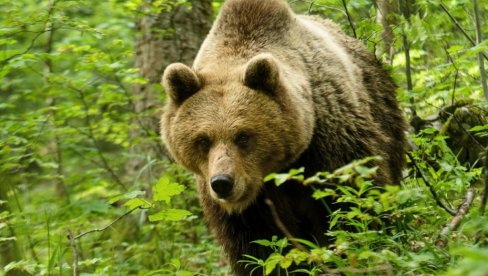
(232, 132)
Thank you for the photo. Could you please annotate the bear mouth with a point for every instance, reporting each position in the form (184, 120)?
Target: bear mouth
(238, 203)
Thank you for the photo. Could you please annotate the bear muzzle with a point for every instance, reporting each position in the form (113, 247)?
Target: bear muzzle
(222, 185)
(233, 193)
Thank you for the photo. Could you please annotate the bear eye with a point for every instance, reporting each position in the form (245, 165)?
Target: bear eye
(203, 143)
(243, 139)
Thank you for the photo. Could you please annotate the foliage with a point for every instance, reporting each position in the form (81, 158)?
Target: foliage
(67, 118)
(67, 113)
(382, 230)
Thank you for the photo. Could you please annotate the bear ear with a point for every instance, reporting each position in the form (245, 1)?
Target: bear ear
(180, 82)
(262, 73)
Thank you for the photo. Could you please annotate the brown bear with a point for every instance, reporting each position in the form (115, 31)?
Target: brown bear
(271, 90)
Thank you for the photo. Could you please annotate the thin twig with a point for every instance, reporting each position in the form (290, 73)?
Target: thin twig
(72, 240)
(458, 25)
(75, 151)
(108, 225)
(282, 226)
(33, 41)
(310, 7)
(313, 2)
(431, 188)
(349, 19)
(453, 96)
(32, 44)
(456, 221)
(289, 236)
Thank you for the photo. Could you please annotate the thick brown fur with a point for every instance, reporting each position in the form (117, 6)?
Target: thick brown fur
(268, 91)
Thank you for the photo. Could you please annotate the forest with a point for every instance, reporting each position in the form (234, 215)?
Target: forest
(87, 187)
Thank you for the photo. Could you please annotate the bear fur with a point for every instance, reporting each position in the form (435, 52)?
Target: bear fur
(271, 90)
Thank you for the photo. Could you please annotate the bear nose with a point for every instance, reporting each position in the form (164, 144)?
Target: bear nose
(222, 185)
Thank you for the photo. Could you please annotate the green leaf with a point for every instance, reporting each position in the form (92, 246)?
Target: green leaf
(269, 177)
(318, 194)
(282, 243)
(264, 243)
(336, 215)
(298, 171)
(184, 273)
(474, 253)
(170, 215)
(270, 263)
(165, 189)
(286, 262)
(280, 178)
(479, 128)
(128, 195)
(366, 172)
(344, 177)
(28, 266)
(307, 243)
(137, 202)
(296, 255)
(483, 46)
(176, 263)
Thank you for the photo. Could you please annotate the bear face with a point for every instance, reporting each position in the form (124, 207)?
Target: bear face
(233, 132)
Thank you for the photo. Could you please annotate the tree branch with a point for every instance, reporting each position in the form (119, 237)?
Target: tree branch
(282, 226)
(458, 25)
(456, 221)
(313, 3)
(33, 42)
(453, 96)
(75, 252)
(108, 225)
(73, 238)
(431, 188)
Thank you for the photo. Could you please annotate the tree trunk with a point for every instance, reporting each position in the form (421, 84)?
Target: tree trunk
(172, 35)
(386, 15)
(479, 39)
(406, 10)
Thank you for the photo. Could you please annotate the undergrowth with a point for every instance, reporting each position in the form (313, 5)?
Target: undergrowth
(393, 229)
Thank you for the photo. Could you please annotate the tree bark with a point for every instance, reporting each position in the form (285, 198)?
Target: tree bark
(173, 35)
(386, 11)
(406, 8)
(479, 39)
